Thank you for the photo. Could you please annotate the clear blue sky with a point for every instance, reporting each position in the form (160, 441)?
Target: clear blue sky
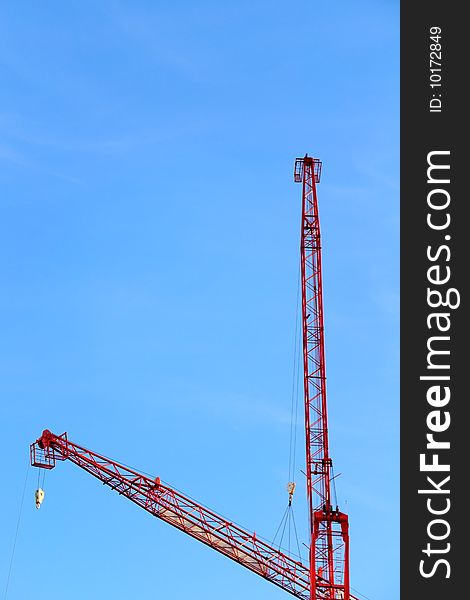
(149, 253)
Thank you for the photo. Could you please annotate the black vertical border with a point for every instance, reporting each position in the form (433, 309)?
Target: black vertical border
(423, 132)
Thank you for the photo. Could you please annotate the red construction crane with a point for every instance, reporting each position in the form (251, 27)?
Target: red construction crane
(327, 575)
(329, 548)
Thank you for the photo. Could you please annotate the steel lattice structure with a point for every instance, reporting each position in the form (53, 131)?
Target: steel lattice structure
(180, 511)
(327, 575)
(329, 549)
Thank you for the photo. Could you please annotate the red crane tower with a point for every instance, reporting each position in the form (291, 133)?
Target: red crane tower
(329, 548)
(327, 575)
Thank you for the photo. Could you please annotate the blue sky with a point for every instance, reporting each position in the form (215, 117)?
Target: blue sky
(148, 275)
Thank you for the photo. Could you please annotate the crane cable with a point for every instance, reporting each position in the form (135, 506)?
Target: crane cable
(288, 515)
(295, 387)
(41, 486)
(16, 534)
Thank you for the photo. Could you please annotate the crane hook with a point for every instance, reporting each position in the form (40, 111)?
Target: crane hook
(39, 497)
(290, 490)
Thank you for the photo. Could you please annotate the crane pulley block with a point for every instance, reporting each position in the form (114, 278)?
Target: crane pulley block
(44, 454)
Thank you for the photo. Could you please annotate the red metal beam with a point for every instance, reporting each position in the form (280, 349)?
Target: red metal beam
(329, 550)
(180, 511)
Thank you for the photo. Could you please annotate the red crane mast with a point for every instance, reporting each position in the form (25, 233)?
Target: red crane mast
(327, 576)
(329, 547)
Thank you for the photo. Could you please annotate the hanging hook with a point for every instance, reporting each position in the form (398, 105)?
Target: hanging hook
(291, 490)
(39, 497)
